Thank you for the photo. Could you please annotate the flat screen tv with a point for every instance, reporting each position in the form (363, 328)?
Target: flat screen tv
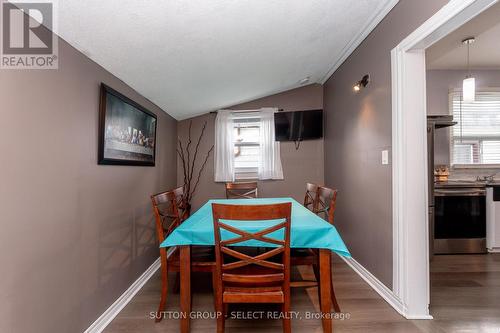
(298, 125)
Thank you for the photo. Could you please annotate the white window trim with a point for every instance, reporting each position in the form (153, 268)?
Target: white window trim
(450, 112)
(246, 175)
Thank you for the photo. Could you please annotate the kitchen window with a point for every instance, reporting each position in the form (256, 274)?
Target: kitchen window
(475, 139)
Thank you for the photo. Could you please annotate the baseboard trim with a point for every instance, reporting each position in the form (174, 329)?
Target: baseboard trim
(100, 324)
(378, 286)
(494, 250)
(424, 317)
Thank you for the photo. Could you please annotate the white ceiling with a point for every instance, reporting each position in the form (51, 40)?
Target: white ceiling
(191, 57)
(450, 53)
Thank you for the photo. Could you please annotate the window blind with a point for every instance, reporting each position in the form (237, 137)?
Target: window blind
(476, 137)
(246, 146)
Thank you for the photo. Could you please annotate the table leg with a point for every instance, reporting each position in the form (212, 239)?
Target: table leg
(325, 285)
(185, 263)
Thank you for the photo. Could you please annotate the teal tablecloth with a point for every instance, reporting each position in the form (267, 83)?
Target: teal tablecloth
(308, 230)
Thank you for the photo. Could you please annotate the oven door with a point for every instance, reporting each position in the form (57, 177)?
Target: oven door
(460, 221)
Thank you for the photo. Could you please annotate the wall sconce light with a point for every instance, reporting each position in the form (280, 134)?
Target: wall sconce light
(362, 84)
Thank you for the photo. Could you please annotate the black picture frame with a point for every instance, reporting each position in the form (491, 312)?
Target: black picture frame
(127, 131)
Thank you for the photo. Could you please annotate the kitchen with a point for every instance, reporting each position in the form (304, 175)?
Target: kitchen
(463, 127)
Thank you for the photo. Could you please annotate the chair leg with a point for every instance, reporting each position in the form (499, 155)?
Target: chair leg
(221, 317)
(336, 306)
(316, 276)
(315, 268)
(214, 287)
(177, 283)
(287, 325)
(164, 289)
(219, 304)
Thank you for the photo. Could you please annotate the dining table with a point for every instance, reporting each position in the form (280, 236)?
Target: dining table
(308, 231)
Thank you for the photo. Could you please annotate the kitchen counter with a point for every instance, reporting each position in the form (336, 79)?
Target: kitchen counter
(460, 183)
(466, 184)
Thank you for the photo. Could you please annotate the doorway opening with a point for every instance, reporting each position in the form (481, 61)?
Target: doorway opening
(463, 126)
(411, 202)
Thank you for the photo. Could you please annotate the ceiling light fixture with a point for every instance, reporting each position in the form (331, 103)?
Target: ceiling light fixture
(362, 83)
(469, 83)
(304, 80)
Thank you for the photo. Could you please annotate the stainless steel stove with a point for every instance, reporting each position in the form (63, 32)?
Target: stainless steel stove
(460, 217)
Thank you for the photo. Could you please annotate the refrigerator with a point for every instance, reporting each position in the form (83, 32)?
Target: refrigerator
(433, 123)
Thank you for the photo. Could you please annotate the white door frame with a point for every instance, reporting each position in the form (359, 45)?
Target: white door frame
(409, 145)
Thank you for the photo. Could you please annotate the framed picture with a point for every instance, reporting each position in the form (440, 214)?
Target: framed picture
(127, 131)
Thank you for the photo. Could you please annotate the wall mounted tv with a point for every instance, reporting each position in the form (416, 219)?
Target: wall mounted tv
(298, 125)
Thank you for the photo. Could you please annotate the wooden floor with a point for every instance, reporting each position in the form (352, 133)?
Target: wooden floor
(465, 298)
(465, 293)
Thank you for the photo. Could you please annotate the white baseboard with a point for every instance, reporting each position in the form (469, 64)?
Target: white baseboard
(423, 317)
(378, 286)
(100, 324)
(494, 250)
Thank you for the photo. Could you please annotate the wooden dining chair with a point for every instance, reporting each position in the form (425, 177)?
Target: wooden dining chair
(324, 205)
(248, 190)
(169, 212)
(245, 277)
(311, 195)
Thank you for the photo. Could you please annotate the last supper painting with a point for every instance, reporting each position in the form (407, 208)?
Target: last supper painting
(127, 131)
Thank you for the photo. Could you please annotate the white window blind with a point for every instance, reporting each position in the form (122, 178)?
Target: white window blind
(246, 145)
(475, 140)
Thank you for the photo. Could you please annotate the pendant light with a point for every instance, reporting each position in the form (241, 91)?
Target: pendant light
(469, 84)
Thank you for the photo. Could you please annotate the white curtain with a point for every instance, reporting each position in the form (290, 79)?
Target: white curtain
(224, 149)
(270, 157)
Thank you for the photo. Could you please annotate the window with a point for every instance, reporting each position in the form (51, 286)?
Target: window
(246, 146)
(475, 139)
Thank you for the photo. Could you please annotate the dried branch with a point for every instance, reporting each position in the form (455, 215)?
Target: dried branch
(183, 160)
(197, 148)
(188, 153)
(188, 165)
(200, 171)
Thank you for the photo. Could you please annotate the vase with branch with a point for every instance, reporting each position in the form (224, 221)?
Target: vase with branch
(188, 160)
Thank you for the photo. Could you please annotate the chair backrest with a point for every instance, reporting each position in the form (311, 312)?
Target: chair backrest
(247, 190)
(311, 195)
(168, 211)
(325, 203)
(236, 270)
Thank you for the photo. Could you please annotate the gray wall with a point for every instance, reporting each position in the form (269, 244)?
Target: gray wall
(75, 235)
(358, 128)
(439, 84)
(299, 166)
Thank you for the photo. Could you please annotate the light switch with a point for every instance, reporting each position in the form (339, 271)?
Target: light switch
(385, 157)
